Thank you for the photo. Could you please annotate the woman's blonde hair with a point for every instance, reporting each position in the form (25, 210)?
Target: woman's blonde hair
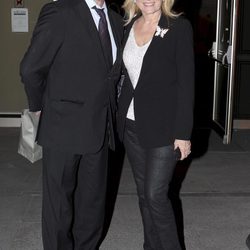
(131, 9)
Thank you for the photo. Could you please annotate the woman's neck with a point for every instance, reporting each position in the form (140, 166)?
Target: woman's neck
(151, 18)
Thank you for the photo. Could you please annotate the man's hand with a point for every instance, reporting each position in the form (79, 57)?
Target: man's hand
(184, 146)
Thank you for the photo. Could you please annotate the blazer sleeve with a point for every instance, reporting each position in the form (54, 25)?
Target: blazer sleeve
(185, 76)
(46, 41)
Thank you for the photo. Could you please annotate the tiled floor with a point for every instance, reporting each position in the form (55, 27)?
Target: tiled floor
(215, 198)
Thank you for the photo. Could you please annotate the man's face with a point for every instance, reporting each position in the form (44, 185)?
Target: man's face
(100, 2)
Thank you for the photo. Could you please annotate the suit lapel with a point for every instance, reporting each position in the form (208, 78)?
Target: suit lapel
(115, 35)
(84, 13)
(114, 29)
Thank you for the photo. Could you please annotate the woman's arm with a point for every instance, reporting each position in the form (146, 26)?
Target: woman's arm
(185, 94)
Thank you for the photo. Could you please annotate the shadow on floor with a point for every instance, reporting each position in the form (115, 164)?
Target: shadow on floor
(200, 143)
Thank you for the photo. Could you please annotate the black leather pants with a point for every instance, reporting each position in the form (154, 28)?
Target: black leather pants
(153, 169)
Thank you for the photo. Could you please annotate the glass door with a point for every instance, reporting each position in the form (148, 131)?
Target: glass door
(223, 53)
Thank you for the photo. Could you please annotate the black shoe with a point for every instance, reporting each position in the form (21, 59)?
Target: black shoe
(248, 241)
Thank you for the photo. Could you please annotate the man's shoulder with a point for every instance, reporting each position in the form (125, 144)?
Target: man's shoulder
(117, 20)
(115, 15)
(61, 4)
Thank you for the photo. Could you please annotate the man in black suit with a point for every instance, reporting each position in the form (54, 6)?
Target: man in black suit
(69, 72)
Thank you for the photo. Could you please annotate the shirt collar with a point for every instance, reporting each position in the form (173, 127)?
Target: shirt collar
(92, 3)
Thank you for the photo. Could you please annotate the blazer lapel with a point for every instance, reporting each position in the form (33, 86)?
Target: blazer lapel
(84, 13)
(125, 38)
(163, 23)
(127, 31)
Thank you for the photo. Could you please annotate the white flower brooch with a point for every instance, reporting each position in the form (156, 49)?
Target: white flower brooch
(161, 32)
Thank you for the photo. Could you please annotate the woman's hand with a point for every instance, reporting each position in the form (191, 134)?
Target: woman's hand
(184, 146)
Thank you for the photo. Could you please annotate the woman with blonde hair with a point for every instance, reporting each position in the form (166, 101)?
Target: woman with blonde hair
(155, 109)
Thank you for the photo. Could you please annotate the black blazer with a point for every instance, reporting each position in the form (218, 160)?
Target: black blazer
(66, 76)
(163, 97)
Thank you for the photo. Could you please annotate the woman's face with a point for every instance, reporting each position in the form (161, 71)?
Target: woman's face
(149, 6)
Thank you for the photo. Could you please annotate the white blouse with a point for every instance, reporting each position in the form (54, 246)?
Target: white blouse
(133, 58)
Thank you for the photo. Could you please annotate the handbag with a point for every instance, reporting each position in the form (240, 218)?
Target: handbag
(28, 146)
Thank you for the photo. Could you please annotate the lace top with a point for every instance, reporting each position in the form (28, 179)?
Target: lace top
(133, 58)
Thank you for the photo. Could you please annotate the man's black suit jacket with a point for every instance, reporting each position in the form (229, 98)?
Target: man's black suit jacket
(66, 76)
(163, 97)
